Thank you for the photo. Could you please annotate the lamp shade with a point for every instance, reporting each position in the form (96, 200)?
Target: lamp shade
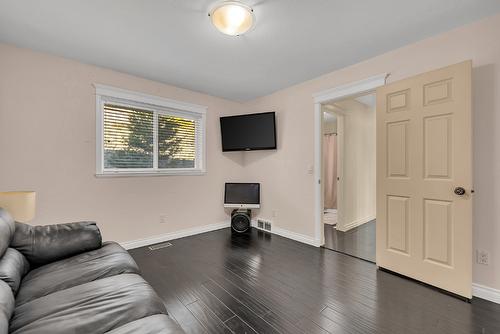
(20, 204)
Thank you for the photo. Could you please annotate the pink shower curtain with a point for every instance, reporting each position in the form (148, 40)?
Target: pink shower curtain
(330, 170)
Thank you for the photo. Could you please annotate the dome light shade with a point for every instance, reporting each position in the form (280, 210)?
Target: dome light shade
(232, 17)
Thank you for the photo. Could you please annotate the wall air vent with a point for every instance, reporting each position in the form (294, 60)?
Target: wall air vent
(267, 226)
(260, 224)
(264, 225)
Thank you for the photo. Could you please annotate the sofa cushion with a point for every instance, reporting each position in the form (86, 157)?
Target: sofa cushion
(45, 244)
(13, 267)
(6, 306)
(155, 324)
(107, 261)
(7, 228)
(94, 307)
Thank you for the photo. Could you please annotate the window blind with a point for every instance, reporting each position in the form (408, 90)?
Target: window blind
(128, 137)
(136, 138)
(176, 142)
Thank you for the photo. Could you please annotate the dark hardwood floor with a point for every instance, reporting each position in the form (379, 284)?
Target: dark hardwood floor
(358, 242)
(218, 282)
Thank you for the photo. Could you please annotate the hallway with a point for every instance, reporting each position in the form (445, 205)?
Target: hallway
(358, 242)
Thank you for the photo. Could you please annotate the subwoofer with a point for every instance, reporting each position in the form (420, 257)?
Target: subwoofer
(240, 221)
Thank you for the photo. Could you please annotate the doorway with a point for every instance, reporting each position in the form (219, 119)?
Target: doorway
(321, 101)
(423, 174)
(349, 177)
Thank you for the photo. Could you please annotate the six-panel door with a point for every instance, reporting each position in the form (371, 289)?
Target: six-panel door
(424, 229)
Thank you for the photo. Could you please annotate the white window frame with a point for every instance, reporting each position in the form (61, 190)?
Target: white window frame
(160, 105)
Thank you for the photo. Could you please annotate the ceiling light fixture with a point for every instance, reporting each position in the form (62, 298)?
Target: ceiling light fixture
(232, 17)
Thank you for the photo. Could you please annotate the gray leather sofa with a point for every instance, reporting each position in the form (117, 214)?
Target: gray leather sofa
(63, 279)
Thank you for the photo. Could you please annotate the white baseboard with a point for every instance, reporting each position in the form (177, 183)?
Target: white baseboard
(208, 228)
(173, 235)
(295, 236)
(355, 223)
(290, 235)
(485, 292)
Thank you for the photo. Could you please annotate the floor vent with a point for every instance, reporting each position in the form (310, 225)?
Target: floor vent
(160, 246)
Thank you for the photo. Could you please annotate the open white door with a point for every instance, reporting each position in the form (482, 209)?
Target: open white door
(424, 178)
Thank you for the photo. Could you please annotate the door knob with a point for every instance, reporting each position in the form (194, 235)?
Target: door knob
(459, 191)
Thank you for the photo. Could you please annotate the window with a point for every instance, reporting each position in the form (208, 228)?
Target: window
(139, 134)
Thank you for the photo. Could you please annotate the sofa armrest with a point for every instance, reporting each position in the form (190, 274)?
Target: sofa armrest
(44, 244)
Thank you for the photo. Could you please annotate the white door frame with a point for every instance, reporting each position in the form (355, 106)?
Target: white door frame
(338, 93)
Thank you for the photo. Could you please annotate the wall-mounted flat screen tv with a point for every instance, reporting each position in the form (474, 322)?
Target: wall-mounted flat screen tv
(248, 132)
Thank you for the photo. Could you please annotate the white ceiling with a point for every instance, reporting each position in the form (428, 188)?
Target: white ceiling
(369, 100)
(350, 103)
(329, 117)
(173, 42)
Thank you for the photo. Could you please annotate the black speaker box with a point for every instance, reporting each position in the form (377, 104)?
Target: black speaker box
(241, 221)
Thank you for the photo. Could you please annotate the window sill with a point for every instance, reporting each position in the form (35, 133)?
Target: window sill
(139, 174)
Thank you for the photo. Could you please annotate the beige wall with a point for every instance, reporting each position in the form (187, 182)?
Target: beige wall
(358, 204)
(287, 185)
(47, 144)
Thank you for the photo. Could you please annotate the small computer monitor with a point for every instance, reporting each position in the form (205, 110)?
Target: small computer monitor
(242, 195)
